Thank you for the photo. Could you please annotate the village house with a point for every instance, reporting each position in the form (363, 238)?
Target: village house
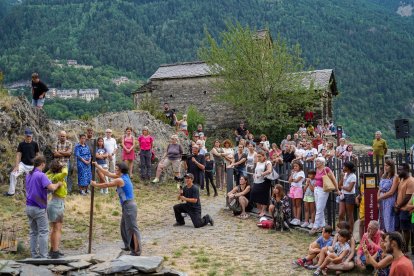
(120, 80)
(190, 83)
(67, 94)
(88, 94)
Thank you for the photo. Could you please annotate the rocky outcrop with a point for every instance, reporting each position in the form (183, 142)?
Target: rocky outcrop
(16, 114)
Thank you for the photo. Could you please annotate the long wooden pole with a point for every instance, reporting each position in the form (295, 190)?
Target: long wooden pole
(92, 198)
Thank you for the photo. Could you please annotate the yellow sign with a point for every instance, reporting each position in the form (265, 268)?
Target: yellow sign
(370, 182)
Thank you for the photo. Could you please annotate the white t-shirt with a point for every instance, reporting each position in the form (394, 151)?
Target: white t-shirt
(296, 175)
(230, 153)
(299, 153)
(110, 144)
(260, 169)
(310, 153)
(348, 179)
(341, 149)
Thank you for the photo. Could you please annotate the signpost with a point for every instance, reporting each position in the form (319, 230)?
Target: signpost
(370, 197)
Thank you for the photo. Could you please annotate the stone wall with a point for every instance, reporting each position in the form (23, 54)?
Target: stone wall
(181, 93)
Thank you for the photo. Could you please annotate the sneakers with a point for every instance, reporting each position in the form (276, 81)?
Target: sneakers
(58, 252)
(308, 263)
(82, 193)
(7, 194)
(300, 262)
(210, 220)
(305, 224)
(310, 226)
(54, 254)
(295, 222)
(156, 180)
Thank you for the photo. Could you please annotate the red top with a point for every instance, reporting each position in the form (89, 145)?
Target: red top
(402, 267)
(145, 142)
(308, 116)
(372, 247)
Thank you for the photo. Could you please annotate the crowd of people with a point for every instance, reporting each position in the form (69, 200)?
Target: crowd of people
(245, 172)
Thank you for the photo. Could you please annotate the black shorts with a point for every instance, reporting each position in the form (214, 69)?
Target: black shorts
(405, 220)
(349, 199)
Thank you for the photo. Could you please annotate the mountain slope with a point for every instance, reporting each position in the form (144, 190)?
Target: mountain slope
(367, 43)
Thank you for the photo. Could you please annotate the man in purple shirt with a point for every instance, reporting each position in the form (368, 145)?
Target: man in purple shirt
(37, 185)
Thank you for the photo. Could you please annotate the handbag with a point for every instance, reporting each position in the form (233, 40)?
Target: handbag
(328, 185)
(273, 175)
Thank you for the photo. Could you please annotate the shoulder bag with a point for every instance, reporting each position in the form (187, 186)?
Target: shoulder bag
(328, 185)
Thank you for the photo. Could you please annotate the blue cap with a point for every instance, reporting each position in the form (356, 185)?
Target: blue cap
(28, 132)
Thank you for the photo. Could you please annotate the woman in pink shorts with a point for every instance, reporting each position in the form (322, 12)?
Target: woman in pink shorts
(296, 193)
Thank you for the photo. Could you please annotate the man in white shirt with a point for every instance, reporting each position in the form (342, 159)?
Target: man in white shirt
(341, 148)
(111, 148)
(310, 153)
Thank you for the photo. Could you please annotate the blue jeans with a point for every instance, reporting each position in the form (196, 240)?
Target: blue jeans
(38, 102)
(39, 231)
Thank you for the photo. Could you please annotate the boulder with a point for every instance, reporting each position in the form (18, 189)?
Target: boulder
(80, 264)
(111, 267)
(60, 269)
(32, 270)
(145, 264)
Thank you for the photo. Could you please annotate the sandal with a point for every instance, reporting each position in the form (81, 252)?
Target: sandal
(244, 216)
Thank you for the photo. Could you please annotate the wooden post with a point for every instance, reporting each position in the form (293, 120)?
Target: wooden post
(92, 198)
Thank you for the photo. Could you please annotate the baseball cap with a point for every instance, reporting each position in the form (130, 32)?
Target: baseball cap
(28, 132)
(189, 175)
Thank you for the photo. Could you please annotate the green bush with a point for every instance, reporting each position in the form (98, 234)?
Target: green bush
(194, 117)
(152, 106)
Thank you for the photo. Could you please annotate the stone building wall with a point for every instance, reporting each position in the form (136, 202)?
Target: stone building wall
(181, 93)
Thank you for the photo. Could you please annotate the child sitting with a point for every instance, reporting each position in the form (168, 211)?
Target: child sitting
(280, 208)
(335, 254)
(309, 200)
(315, 247)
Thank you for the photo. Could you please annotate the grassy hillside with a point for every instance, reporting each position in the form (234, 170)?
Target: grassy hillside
(365, 41)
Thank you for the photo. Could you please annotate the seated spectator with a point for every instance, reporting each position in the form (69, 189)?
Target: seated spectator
(330, 150)
(317, 141)
(302, 128)
(381, 261)
(279, 203)
(276, 159)
(337, 253)
(401, 265)
(310, 153)
(348, 155)
(299, 152)
(310, 130)
(316, 246)
(371, 239)
(242, 193)
(275, 150)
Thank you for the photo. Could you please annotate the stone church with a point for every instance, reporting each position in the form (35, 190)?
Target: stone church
(189, 83)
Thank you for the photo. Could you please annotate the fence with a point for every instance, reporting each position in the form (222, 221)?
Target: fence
(363, 164)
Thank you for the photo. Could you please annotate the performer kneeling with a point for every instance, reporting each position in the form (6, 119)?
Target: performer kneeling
(129, 228)
(190, 194)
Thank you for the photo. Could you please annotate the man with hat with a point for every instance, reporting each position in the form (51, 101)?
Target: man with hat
(39, 90)
(26, 152)
(190, 195)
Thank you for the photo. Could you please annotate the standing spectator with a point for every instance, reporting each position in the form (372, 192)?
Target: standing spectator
(39, 90)
(89, 139)
(56, 206)
(348, 154)
(111, 148)
(341, 148)
(209, 169)
(182, 125)
(196, 166)
(321, 197)
(379, 146)
(309, 200)
(251, 162)
(289, 154)
(228, 156)
(172, 156)
(240, 132)
(309, 116)
(190, 194)
(296, 139)
(347, 183)
(371, 239)
(275, 155)
(217, 152)
(265, 142)
(330, 151)
(26, 152)
(261, 188)
(401, 265)
(242, 193)
(387, 193)
(360, 202)
(131, 236)
(296, 193)
(250, 139)
(170, 114)
(101, 156)
(37, 185)
(310, 130)
(239, 163)
(62, 152)
(405, 191)
(83, 161)
(128, 149)
(145, 142)
(285, 143)
(302, 129)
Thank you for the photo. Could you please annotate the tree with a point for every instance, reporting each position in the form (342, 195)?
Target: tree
(259, 77)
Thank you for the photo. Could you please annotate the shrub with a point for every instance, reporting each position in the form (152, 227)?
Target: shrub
(194, 117)
(152, 106)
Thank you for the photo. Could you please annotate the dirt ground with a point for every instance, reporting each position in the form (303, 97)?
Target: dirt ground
(230, 247)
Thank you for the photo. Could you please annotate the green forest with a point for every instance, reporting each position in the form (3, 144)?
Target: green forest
(365, 41)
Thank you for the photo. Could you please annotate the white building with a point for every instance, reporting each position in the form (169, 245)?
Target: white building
(88, 94)
(120, 80)
(52, 93)
(67, 94)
